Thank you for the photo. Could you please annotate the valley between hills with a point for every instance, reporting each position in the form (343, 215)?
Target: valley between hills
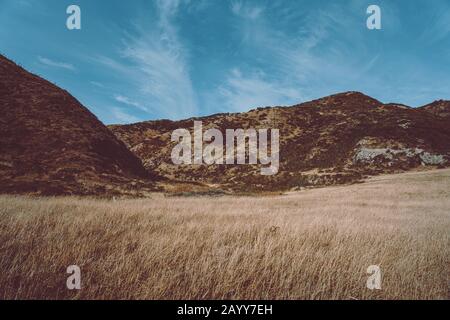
(109, 200)
(52, 145)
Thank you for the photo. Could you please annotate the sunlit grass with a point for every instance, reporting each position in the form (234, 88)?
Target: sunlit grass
(314, 244)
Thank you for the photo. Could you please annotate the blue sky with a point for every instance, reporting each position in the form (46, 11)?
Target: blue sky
(140, 60)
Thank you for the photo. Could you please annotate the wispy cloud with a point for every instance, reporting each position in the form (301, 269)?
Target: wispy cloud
(56, 64)
(241, 92)
(97, 84)
(156, 63)
(439, 28)
(246, 11)
(129, 102)
(297, 68)
(122, 116)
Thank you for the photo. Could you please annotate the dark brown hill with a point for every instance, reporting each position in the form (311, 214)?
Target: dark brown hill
(50, 144)
(440, 108)
(336, 139)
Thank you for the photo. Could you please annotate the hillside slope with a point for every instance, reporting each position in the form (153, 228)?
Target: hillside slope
(337, 139)
(50, 144)
(439, 108)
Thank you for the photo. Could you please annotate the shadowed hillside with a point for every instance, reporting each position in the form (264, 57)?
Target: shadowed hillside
(50, 144)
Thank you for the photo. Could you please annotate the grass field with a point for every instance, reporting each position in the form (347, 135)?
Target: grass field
(314, 244)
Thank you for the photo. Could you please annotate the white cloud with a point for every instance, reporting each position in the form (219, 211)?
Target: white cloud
(97, 84)
(246, 11)
(439, 28)
(122, 116)
(157, 64)
(56, 64)
(240, 92)
(298, 67)
(129, 102)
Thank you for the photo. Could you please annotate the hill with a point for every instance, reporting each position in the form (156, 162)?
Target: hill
(337, 139)
(440, 108)
(51, 145)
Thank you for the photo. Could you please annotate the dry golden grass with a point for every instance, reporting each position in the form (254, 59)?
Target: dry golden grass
(314, 244)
